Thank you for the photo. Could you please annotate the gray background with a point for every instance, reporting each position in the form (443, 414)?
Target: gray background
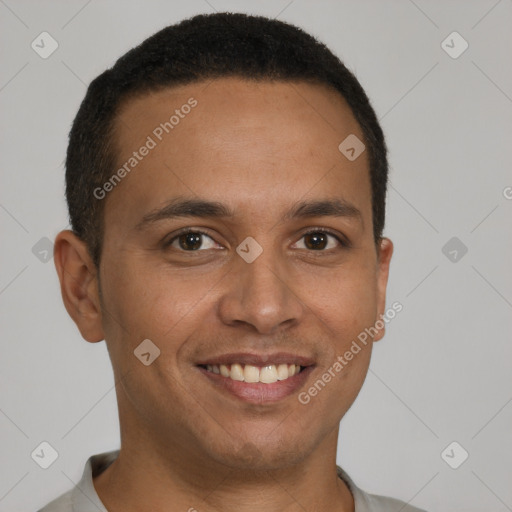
(443, 371)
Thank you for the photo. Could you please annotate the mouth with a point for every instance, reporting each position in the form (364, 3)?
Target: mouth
(257, 379)
(248, 373)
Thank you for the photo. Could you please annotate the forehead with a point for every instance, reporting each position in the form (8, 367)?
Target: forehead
(242, 104)
(239, 140)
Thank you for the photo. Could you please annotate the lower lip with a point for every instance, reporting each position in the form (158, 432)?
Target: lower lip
(259, 392)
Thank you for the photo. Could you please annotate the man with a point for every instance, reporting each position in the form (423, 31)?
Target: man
(226, 184)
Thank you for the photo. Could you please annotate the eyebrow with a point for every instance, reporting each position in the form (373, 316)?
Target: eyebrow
(201, 208)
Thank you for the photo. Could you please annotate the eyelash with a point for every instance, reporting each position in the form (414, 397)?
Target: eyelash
(345, 244)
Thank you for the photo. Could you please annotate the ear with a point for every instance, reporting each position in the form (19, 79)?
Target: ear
(384, 253)
(78, 278)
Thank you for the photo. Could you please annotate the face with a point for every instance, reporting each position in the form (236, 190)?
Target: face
(241, 243)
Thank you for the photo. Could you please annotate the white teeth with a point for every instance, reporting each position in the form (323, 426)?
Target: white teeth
(236, 372)
(249, 373)
(282, 372)
(268, 374)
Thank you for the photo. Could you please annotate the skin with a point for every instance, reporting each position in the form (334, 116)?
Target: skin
(259, 148)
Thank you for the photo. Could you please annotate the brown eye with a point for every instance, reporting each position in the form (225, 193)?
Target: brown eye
(316, 240)
(320, 240)
(190, 241)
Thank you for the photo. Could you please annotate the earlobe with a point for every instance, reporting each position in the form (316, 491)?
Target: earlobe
(79, 284)
(385, 251)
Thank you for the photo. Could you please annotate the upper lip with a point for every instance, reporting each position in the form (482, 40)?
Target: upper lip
(258, 359)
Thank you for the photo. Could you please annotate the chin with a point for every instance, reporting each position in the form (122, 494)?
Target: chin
(264, 454)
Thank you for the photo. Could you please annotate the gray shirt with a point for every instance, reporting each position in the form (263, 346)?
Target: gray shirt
(83, 497)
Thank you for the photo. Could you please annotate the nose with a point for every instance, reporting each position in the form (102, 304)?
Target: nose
(260, 296)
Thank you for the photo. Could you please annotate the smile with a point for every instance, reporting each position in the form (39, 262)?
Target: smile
(267, 374)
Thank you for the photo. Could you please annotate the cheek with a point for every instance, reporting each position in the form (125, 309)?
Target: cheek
(142, 302)
(345, 304)
(345, 300)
